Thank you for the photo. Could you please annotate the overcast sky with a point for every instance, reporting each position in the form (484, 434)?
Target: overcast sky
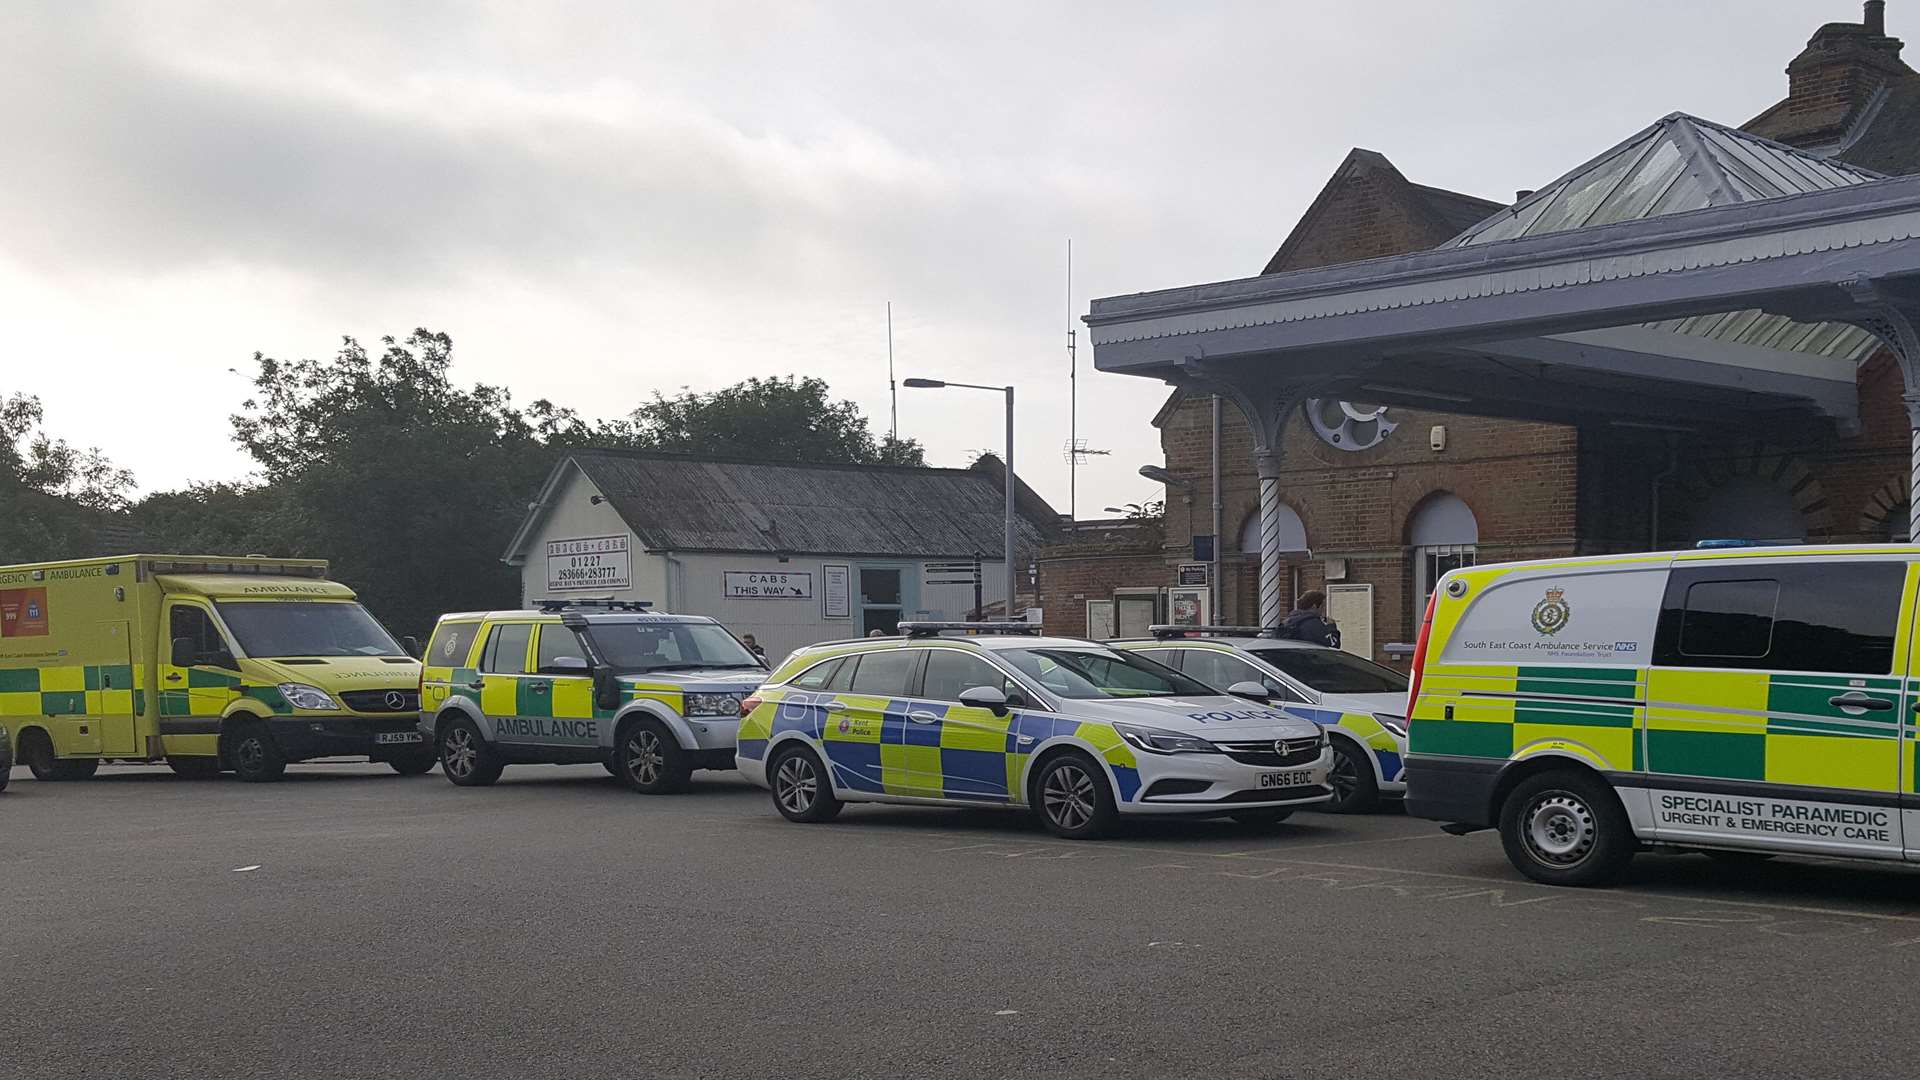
(600, 200)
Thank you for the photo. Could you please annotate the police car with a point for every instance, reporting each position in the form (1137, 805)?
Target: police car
(1361, 704)
(1077, 732)
(652, 696)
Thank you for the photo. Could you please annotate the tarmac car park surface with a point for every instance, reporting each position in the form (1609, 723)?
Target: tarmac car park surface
(351, 923)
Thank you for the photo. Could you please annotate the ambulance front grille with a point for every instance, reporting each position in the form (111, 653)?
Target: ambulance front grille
(377, 701)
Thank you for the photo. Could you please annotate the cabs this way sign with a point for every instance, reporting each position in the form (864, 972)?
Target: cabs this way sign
(760, 585)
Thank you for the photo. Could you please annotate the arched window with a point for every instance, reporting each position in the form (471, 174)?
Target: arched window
(1293, 532)
(1748, 508)
(1443, 533)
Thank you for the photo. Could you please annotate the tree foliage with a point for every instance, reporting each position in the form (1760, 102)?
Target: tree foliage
(53, 495)
(790, 418)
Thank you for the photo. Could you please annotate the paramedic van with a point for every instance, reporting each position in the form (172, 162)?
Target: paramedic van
(205, 663)
(1741, 702)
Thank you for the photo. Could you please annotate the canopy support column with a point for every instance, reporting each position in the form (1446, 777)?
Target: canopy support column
(1267, 403)
(1894, 318)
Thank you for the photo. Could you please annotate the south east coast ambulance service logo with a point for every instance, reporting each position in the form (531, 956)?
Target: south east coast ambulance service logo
(1550, 615)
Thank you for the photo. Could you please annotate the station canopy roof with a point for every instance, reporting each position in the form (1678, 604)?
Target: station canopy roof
(1690, 275)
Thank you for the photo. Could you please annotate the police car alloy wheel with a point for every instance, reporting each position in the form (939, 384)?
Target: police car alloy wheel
(465, 757)
(1354, 789)
(1074, 800)
(800, 788)
(255, 757)
(1566, 828)
(647, 759)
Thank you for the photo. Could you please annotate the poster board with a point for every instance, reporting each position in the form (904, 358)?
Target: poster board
(1351, 607)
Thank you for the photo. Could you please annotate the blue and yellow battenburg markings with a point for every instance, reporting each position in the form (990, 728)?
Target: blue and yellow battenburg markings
(925, 749)
(1372, 734)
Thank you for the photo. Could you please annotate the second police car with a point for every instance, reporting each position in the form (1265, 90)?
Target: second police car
(652, 696)
(1077, 732)
(1361, 704)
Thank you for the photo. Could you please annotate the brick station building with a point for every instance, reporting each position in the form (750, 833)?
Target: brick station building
(1382, 501)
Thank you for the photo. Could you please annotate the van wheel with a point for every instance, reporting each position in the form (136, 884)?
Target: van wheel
(36, 753)
(646, 759)
(1354, 789)
(1074, 800)
(801, 790)
(255, 757)
(1566, 828)
(195, 768)
(465, 756)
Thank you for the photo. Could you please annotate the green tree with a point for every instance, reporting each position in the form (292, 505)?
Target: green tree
(788, 418)
(53, 496)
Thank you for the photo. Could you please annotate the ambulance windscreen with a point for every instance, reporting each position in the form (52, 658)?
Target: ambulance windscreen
(659, 646)
(279, 628)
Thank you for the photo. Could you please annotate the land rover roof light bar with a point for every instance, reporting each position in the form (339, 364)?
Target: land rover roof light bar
(553, 604)
(934, 629)
(1164, 631)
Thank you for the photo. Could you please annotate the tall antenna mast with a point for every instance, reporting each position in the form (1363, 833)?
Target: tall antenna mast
(893, 391)
(1073, 401)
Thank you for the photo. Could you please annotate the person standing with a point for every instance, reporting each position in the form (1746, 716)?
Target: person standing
(1308, 621)
(754, 647)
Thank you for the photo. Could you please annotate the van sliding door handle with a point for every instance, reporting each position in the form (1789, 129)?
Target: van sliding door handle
(1857, 700)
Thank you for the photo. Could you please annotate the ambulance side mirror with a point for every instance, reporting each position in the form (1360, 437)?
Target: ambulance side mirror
(412, 646)
(184, 654)
(606, 689)
(1250, 690)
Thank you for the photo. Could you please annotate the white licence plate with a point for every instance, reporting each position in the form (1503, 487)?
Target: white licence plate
(391, 738)
(1290, 778)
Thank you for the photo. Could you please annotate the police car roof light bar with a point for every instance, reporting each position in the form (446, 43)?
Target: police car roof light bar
(932, 629)
(1176, 630)
(561, 604)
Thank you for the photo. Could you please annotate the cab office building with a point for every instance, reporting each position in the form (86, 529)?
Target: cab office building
(791, 553)
(1377, 500)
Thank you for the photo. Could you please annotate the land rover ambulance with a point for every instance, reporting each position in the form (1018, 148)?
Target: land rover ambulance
(202, 662)
(1743, 702)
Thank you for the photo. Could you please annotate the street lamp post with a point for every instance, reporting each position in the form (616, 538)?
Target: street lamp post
(1007, 482)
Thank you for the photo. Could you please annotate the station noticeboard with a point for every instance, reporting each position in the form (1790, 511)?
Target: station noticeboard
(767, 584)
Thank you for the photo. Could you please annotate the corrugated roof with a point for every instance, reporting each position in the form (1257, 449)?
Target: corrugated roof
(1683, 163)
(677, 502)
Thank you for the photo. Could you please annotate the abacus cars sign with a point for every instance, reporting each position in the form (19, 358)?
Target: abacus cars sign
(590, 562)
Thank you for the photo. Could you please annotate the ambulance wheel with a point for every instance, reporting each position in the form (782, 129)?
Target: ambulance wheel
(253, 754)
(1072, 799)
(36, 753)
(1354, 789)
(195, 768)
(1566, 828)
(418, 763)
(800, 788)
(646, 759)
(465, 756)
(1260, 819)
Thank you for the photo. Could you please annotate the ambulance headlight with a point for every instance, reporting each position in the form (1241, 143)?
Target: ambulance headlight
(1395, 724)
(727, 705)
(302, 696)
(1156, 741)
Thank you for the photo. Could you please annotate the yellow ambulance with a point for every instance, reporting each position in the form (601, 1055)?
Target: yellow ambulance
(1742, 702)
(201, 662)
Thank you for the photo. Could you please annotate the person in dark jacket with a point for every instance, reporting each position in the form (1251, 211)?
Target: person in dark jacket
(1309, 622)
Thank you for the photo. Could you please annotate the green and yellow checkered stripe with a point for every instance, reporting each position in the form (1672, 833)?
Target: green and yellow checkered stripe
(73, 690)
(1496, 711)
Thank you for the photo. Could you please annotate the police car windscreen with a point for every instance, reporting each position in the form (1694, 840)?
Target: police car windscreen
(638, 646)
(270, 628)
(1331, 671)
(1102, 673)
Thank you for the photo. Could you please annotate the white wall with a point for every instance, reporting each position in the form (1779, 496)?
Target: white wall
(694, 584)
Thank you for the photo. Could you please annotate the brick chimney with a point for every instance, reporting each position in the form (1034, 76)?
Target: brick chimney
(1833, 79)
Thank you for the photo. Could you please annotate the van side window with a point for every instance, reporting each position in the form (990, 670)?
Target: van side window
(1824, 617)
(507, 649)
(450, 645)
(884, 674)
(191, 622)
(557, 641)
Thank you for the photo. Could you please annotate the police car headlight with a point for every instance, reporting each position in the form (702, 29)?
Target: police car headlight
(1395, 724)
(1156, 741)
(713, 705)
(302, 696)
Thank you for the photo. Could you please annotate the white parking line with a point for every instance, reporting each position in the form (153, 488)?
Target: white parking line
(1255, 852)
